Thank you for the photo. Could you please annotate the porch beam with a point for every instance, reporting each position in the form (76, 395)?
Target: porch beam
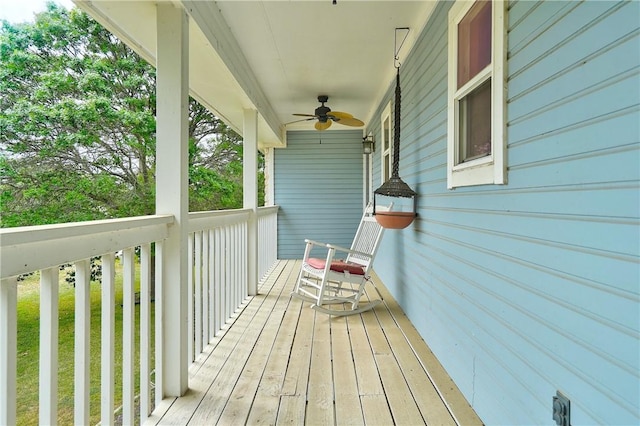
(172, 189)
(250, 194)
(208, 17)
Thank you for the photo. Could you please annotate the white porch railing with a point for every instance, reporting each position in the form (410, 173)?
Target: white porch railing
(218, 273)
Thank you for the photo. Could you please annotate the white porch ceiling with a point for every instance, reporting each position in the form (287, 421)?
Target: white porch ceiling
(278, 56)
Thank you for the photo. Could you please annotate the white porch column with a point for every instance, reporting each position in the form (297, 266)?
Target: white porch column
(172, 194)
(250, 194)
(269, 196)
(8, 349)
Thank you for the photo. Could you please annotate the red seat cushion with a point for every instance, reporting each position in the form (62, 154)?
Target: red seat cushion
(337, 266)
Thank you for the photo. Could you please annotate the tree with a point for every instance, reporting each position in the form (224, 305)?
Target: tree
(77, 128)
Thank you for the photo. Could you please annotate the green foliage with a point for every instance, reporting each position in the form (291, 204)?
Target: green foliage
(77, 128)
(95, 271)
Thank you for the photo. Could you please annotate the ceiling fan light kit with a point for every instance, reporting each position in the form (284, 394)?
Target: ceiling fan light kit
(395, 187)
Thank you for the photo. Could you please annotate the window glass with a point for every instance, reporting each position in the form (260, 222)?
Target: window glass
(475, 123)
(386, 161)
(474, 42)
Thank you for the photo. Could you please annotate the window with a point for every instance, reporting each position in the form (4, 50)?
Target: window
(476, 96)
(387, 143)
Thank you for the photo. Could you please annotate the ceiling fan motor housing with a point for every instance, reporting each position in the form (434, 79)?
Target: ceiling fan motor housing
(322, 111)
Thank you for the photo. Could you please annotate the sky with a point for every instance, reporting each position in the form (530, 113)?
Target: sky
(16, 11)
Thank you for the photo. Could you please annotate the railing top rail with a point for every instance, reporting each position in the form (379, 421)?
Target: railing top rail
(40, 233)
(267, 210)
(31, 248)
(199, 221)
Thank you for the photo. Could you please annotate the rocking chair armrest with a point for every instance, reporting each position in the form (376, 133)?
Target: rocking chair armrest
(315, 243)
(309, 247)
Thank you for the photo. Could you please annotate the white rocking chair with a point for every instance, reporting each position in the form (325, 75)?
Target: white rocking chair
(329, 281)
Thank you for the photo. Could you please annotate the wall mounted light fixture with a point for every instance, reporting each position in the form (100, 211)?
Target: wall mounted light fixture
(368, 145)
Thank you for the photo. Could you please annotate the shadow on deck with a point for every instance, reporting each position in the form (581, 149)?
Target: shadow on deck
(280, 362)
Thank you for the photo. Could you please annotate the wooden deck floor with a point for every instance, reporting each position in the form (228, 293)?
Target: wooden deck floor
(281, 362)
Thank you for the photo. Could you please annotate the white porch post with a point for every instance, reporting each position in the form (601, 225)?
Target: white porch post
(250, 194)
(8, 349)
(269, 196)
(172, 197)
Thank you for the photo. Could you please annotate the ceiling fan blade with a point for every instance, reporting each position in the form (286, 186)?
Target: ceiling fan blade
(304, 115)
(340, 115)
(350, 121)
(323, 126)
(298, 121)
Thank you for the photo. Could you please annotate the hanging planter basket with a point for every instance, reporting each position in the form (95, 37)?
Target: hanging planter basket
(396, 187)
(395, 220)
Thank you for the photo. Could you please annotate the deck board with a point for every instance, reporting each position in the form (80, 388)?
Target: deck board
(425, 395)
(347, 398)
(237, 410)
(281, 362)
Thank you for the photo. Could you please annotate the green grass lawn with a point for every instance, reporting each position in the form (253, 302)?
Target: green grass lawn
(28, 349)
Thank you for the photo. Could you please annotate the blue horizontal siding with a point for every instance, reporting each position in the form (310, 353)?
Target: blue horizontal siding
(531, 287)
(318, 186)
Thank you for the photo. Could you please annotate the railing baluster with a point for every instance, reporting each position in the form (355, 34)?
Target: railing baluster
(217, 280)
(128, 336)
(261, 247)
(107, 343)
(9, 352)
(228, 274)
(190, 296)
(205, 288)
(82, 348)
(211, 284)
(49, 290)
(222, 277)
(241, 246)
(244, 231)
(159, 378)
(145, 330)
(198, 298)
(233, 279)
(243, 259)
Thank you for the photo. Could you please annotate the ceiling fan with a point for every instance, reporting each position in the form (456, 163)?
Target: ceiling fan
(325, 116)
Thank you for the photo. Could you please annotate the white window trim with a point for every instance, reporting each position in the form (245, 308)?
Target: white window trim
(386, 115)
(492, 168)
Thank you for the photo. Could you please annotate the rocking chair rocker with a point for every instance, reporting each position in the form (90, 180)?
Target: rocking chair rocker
(328, 281)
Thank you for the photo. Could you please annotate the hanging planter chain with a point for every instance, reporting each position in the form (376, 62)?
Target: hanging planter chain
(396, 131)
(396, 187)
